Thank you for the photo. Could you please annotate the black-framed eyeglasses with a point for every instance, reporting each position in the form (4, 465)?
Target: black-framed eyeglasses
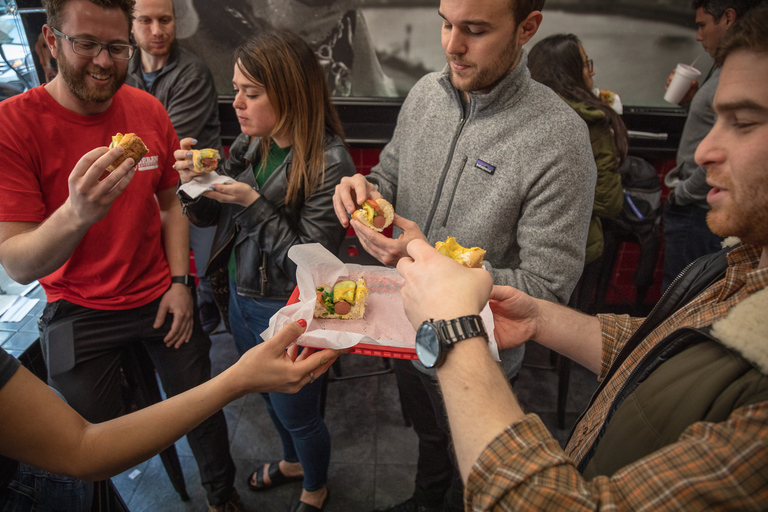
(89, 48)
(589, 65)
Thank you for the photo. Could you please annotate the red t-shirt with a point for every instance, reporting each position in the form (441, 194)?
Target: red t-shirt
(120, 262)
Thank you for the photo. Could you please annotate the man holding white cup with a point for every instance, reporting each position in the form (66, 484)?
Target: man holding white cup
(686, 234)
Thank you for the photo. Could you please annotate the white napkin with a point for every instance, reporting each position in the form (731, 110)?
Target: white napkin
(384, 323)
(200, 184)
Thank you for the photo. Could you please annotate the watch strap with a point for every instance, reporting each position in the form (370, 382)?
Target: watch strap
(185, 280)
(462, 328)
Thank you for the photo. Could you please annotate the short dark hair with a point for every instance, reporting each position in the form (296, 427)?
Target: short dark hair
(522, 8)
(54, 10)
(749, 33)
(716, 8)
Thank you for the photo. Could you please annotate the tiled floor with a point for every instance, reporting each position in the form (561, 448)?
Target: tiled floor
(374, 453)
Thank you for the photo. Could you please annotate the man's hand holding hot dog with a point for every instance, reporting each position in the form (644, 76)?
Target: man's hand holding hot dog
(438, 287)
(29, 250)
(352, 192)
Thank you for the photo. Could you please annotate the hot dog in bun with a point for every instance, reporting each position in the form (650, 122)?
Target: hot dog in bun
(345, 301)
(205, 160)
(469, 257)
(134, 148)
(376, 214)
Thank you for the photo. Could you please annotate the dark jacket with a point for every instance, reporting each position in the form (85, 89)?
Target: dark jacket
(691, 375)
(609, 196)
(263, 232)
(185, 88)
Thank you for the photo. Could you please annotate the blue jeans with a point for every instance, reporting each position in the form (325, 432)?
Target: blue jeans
(296, 417)
(33, 489)
(686, 238)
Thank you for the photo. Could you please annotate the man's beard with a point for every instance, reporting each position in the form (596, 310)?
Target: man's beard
(75, 78)
(490, 75)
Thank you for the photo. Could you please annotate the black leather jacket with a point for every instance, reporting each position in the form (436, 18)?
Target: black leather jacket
(263, 232)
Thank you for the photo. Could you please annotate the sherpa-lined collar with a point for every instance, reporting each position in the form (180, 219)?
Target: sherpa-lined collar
(745, 329)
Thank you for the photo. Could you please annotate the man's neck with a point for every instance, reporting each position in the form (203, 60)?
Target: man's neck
(150, 63)
(64, 97)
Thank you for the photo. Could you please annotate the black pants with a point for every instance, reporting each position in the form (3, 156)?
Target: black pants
(438, 479)
(82, 349)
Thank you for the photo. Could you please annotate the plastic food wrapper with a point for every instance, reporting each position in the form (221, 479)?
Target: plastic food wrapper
(384, 324)
(200, 183)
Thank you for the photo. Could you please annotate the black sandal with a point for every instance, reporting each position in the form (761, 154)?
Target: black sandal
(275, 475)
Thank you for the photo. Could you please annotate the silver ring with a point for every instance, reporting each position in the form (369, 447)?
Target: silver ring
(311, 377)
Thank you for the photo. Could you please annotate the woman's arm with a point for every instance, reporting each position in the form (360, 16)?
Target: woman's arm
(39, 428)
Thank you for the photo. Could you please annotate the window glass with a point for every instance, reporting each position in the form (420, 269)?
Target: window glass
(17, 68)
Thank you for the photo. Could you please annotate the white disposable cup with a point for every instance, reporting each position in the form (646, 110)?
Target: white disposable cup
(680, 83)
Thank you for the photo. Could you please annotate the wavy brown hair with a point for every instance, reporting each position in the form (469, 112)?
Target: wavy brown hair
(556, 62)
(287, 68)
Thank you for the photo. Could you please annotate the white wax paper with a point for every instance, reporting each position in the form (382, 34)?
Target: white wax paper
(199, 184)
(384, 323)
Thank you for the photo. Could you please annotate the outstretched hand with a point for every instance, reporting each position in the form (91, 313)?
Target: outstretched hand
(276, 366)
(438, 287)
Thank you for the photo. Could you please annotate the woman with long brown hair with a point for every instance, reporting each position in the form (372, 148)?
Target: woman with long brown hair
(561, 63)
(287, 161)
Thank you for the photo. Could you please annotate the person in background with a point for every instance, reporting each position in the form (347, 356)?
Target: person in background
(561, 63)
(680, 420)
(112, 254)
(686, 234)
(42, 431)
(184, 85)
(287, 162)
(466, 160)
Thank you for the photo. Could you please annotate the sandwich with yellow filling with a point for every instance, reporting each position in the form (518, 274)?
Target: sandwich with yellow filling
(134, 148)
(471, 257)
(345, 300)
(205, 160)
(376, 214)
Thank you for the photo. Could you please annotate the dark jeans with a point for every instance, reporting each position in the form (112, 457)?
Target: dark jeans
(438, 479)
(686, 237)
(82, 349)
(296, 417)
(35, 490)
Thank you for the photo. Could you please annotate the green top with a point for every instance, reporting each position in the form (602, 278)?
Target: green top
(275, 159)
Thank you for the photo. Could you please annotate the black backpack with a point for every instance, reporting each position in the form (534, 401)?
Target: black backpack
(642, 196)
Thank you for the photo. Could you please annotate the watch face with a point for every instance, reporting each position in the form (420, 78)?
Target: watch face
(427, 345)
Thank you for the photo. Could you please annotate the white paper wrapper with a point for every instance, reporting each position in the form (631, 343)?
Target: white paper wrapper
(384, 324)
(200, 184)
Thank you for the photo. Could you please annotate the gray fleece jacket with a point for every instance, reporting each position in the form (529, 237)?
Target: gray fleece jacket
(515, 175)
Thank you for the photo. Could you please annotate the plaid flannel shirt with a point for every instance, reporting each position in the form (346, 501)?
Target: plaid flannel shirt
(711, 466)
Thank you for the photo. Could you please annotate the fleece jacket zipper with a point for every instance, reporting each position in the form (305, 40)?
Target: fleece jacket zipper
(447, 166)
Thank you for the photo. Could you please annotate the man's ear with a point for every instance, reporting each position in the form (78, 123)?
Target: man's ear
(529, 26)
(50, 39)
(730, 17)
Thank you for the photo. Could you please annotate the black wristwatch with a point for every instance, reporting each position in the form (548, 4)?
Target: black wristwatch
(435, 338)
(186, 280)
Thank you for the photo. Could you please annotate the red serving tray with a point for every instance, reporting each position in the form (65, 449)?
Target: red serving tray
(367, 349)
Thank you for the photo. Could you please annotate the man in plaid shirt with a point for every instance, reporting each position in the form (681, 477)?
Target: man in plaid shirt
(680, 421)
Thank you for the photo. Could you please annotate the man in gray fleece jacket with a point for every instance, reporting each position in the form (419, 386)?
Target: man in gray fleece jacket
(482, 153)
